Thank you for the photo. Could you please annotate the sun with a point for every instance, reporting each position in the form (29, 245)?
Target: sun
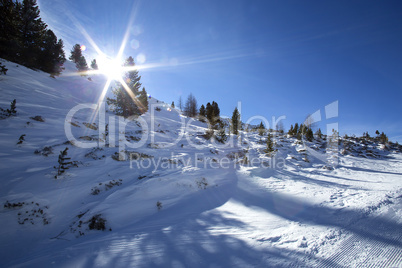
(110, 67)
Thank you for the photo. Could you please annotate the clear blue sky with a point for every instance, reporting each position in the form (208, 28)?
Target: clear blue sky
(277, 57)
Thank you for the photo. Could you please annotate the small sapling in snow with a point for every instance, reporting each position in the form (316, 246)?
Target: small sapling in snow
(3, 69)
(12, 111)
(9, 112)
(63, 163)
(159, 205)
(21, 139)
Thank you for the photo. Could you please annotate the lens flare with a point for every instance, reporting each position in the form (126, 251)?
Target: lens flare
(110, 67)
(141, 58)
(135, 44)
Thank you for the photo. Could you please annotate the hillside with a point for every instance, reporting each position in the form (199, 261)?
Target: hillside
(178, 199)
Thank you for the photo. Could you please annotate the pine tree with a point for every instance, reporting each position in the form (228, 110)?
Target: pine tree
(309, 134)
(318, 134)
(217, 111)
(143, 99)
(25, 38)
(235, 121)
(52, 55)
(77, 57)
(9, 112)
(133, 102)
(209, 112)
(12, 111)
(3, 69)
(10, 25)
(94, 65)
(63, 163)
(172, 104)
(221, 135)
(296, 129)
(21, 139)
(32, 31)
(202, 111)
(270, 144)
(261, 129)
(302, 129)
(290, 132)
(383, 138)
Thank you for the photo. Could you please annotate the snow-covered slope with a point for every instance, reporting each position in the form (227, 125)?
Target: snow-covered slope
(180, 200)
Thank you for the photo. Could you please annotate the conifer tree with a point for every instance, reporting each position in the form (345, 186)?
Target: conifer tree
(383, 138)
(302, 130)
(270, 144)
(309, 134)
(261, 129)
(77, 57)
(63, 163)
(52, 55)
(143, 99)
(221, 135)
(3, 69)
(217, 111)
(235, 121)
(10, 25)
(94, 65)
(202, 111)
(12, 111)
(318, 134)
(296, 129)
(172, 104)
(25, 38)
(290, 132)
(31, 33)
(133, 102)
(209, 111)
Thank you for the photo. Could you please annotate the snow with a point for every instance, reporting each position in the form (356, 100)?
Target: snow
(215, 212)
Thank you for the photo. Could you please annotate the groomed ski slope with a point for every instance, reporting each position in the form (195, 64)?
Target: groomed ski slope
(215, 209)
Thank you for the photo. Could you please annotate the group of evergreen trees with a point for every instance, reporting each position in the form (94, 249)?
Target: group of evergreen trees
(380, 137)
(302, 131)
(129, 101)
(210, 112)
(25, 38)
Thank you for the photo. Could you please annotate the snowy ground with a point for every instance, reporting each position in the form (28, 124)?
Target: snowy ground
(283, 212)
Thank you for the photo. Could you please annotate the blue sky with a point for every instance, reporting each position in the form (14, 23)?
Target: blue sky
(277, 57)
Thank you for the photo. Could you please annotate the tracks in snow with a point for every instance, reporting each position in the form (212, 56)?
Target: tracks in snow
(374, 242)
